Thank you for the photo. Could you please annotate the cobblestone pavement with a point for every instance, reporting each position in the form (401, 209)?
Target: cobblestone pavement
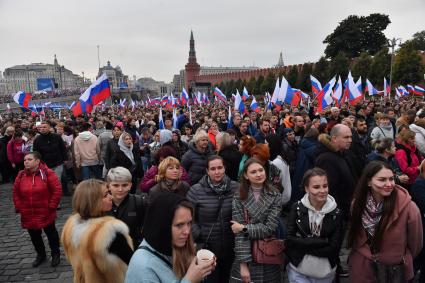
(17, 252)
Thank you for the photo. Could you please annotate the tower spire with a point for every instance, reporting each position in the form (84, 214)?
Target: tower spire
(280, 62)
(192, 68)
(192, 52)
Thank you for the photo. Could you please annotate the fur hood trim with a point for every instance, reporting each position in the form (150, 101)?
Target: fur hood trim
(325, 140)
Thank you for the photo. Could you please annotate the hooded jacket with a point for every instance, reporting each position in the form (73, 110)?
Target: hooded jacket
(402, 239)
(86, 151)
(16, 151)
(300, 240)
(340, 177)
(409, 168)
(36, 196)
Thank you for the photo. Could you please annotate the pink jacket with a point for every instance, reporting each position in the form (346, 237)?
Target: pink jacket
(148, 180)
(16, 151)
(402, 239)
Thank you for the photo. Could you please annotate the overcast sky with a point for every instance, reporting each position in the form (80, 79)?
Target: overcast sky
(150, 38)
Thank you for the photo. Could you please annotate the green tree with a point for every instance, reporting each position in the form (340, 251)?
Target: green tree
(339, 65)
(292, 76)
(408, 67)
(362, 66)
(418, 40)
(251, 85)
(238, 85)
(380, 67)
(222, 87)
(257, 89)
(268, 83)
(321, 70)
(357, 34)
(304, 82)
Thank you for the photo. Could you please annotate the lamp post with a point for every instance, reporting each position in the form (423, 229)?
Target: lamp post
(392, 43)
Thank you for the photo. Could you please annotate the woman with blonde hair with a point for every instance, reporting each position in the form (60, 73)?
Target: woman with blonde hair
(98, 247)
(169, 179)
(195, 159)
(167, 253)
(407, 155)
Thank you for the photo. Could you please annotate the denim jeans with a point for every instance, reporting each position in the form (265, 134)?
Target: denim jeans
(96, 170)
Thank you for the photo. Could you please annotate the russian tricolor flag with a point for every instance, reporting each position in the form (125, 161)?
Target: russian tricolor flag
(418, 90)
(245, 94)
(324, 99)
(97, 92)
(254, 105)
(160, 120)
(81, 107)
(239, 105)
(337, 95)
(316, 86)
(387, 88)
(411, 89)
(219, 94)
(22, 98)
(403, 90)
(370, 88)
(184, 97)
(355, 96)
(286, 93)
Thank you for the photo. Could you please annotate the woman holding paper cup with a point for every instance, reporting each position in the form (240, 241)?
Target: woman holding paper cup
(167, 253)
(261, 204)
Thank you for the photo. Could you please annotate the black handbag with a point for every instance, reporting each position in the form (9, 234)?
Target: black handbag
(389, 273)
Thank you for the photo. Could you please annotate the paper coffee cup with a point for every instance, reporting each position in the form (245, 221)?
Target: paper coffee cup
(204, 255)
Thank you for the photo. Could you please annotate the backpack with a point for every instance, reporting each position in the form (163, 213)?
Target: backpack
(408, 152)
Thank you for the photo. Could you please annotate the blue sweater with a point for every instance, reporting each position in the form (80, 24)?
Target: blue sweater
(145, 267)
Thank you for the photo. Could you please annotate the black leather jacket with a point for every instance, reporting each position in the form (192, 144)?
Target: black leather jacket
(300, 241)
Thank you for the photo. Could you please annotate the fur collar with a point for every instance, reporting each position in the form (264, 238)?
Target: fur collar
(325, 140)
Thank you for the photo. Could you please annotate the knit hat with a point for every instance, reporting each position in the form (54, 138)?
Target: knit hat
(158, 222)
(165, 136)
(286, 131)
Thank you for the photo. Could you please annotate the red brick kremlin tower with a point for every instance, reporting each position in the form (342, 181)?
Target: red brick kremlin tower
(192, 68)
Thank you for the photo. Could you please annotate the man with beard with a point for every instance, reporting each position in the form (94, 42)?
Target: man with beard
(360, 146)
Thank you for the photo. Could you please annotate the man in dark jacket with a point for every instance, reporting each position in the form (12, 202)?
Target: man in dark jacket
(260, 137)
(360, 147)
(51, 147)
(330, 156)
(290, 148)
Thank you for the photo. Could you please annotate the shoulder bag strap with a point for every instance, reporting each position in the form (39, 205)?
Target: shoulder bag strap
(221, 199)
(160, 256)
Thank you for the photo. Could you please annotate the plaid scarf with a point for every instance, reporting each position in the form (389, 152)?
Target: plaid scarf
(219, 188)
(371, 215)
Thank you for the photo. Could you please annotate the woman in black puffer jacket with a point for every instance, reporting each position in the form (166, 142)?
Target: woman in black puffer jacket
(212, 199)
(194, 161)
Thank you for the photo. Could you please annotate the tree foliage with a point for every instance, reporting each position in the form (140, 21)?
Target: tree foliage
(251, 85)
(380, 67)
(268, 83)
(418, 40)
(304, 82)
(357, 34)
(257, 89)
(408, 67)
(339, 65)
(292, 76)
(321, 70)
(362, 66)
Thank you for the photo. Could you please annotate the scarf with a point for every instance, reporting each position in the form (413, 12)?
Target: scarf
(219, 188)
(128, 151)
(170, 185)
(371, 215)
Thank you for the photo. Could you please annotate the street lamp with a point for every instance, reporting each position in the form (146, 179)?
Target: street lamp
(392, 43)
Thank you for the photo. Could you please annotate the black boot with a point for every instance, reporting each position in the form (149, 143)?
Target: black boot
(38, 260)
(56, 259)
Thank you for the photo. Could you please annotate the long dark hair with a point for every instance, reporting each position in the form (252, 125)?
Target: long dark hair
(359, 205)
(245, 184)
(275, 147)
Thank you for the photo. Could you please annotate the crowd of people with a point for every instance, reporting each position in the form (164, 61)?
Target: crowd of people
(272, 194)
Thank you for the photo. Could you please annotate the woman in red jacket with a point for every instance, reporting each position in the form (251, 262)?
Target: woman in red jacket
(407, 155)
(36, 195)
(386, 228)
